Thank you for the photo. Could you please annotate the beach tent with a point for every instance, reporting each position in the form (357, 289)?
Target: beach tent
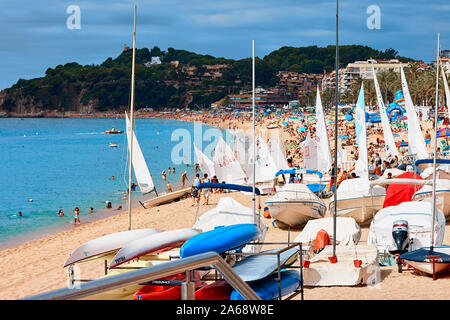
(401, 144)
(398, 193)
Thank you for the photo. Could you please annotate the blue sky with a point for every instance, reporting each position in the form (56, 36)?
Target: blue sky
(34, 34)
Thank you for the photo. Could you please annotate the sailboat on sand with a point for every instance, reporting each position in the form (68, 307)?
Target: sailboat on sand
(432, 259)
(354, 197)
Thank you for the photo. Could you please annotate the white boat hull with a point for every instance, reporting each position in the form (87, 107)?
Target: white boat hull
(295, 213)
(427, 267)
(362, 209)
(442, 200)
(155, 243)
(167, 197)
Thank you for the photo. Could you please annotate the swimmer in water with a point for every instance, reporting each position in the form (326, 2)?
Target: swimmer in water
(60, 213)
(19, 213)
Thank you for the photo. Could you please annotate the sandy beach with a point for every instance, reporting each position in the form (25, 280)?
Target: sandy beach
(37, 266)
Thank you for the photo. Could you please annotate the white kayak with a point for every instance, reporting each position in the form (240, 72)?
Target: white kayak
(154, 243)
(106, 245)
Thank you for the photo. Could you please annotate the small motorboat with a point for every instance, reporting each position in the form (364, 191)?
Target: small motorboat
(113, 145)
(295, 204)
(113, 131)
(416, 218)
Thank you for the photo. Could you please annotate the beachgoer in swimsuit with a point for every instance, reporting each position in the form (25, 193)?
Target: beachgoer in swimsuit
(206, 191)
(76, 216)
(60, 213)
(195, 192)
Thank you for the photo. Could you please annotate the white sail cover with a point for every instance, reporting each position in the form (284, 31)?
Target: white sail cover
(415, 136)
(140, 167)
(357, 188)
(310, 159)
(205, 164)
(324, 161)
(447, 92)
(347, 230)
(277, 152)
(391, 149)
(226, 166)
(265, 168)
(362, 165)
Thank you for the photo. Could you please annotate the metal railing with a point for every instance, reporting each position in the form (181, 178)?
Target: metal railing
(153, 273)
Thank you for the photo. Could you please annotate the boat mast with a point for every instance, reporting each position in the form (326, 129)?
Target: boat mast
(336, 128)
(435, 142)
(130, 173)
(254, 136)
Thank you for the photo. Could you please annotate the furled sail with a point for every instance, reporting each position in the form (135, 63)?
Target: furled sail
(447, 92)
(362, 165)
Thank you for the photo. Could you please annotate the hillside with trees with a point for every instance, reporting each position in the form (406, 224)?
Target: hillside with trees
(181, 79)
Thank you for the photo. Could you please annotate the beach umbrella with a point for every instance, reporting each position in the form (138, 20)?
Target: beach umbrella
(443, 133)
(348, 117)
(342, 137)
(401, 144)
(285, 123)
(301, 129)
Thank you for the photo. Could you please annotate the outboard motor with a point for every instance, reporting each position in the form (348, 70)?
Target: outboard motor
(400, 235)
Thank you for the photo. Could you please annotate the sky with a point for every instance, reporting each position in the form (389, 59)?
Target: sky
(35, 35)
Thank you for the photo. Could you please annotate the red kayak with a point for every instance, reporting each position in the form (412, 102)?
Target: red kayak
(219, 290)
(158, 292)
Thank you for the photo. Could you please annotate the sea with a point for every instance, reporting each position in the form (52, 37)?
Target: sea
(48, 164)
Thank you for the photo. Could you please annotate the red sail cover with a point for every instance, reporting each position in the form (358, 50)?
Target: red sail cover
(398, 193)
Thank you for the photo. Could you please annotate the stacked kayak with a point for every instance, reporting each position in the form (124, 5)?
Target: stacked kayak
(220, 239)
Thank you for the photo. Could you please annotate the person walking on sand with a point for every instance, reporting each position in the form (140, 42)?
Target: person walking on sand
(76, 216)
(195, 192)
(205, 191)
(427, 139)
(183, 179)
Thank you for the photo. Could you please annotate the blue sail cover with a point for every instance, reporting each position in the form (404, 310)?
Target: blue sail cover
(438, 161)
(298, 171)
(228, 186)
(423, 254)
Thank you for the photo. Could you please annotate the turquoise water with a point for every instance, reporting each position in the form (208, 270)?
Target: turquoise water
(68, 163)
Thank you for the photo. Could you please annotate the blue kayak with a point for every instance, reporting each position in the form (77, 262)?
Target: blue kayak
(267, 288)
(220, 239)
